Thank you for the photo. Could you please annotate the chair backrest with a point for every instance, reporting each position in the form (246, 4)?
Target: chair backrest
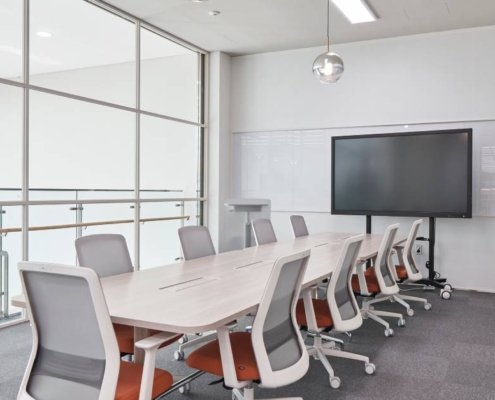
(383, 264)
(263, 231)
(196, 242)
(412, 269)
(106, 254)
(344, 308)
(280, 352)
(299, 227)
(75, 353)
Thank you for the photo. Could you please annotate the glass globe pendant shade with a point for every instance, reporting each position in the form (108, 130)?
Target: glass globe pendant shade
(328, 68)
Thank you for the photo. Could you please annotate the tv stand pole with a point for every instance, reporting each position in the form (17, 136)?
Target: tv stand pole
(445, 288)
(368, 232)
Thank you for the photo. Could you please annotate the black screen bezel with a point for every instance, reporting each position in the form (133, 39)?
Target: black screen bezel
(469, 212)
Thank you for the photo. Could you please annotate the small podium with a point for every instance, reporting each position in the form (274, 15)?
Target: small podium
(254, 208)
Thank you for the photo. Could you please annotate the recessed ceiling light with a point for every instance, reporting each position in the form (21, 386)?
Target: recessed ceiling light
(198, 1)
(44, 34)
(214, 13)
(406, 126)
(356, 11)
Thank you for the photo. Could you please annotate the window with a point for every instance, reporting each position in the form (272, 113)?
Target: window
(11, 39)
(91, 52)
(80, 155)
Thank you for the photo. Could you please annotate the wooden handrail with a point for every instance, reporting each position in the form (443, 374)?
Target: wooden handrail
(86, 224)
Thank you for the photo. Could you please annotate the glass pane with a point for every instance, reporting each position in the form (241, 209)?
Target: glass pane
(11, 254)
(159, 240)
(91, 52)
(11, 39)
(170, 158)
(11, 117)
(79, 145)
(53, 245)
(169, 78)
(117, 219)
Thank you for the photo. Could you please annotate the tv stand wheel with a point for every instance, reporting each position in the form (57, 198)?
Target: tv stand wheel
(448, 287)
(445, 294)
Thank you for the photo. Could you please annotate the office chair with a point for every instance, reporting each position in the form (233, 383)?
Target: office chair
(299, 229)
(75, 352)
(408, 272)
(263, 231)
(298, 225)
(339, 312)
(108, 255)
(196, 243)
(378, 284)
(273, 354)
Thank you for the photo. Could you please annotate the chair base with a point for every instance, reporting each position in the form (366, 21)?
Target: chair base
(375, 315)
(321, 351)
(248, 394)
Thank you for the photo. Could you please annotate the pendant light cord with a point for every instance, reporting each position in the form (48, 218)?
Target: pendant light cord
(328, 26)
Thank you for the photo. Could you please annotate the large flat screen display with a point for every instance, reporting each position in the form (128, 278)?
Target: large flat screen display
(426, 174)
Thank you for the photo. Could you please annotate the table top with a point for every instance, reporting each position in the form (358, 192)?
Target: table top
(203, 294)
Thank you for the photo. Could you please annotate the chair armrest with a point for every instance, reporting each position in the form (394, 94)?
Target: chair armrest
(155, 341)
(363, 286)
(227, 357)
(310, 311)
(150, 346)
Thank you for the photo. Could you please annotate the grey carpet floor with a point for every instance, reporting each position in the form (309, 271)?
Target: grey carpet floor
(445, 353)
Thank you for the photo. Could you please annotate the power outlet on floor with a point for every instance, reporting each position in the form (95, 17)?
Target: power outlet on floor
(419, 249)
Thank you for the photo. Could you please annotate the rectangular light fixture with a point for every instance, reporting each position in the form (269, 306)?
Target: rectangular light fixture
(356, 11)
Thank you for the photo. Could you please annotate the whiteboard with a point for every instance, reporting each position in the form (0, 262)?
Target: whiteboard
(293, 168)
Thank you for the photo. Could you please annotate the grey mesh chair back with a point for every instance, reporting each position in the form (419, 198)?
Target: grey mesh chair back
(75, 353)
(383, 265)
(299, 227)
(263, 231)
(105, 254)
(196, 242)
(345, 311)
(280, 352)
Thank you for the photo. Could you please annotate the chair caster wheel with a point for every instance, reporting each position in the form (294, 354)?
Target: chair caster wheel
(389, 332)
(410, 312)
(401, 323)
(185, 389)
(335, 382)
(445, 294)
(427, 306)
(448, 287)
(179, 355)
(370, 368)
(183, 339)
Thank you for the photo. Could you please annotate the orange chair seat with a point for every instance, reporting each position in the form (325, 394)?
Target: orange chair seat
(371, 283)
(125, 338)
(322, 313)
(401, 272)
(207, 358)
(129, 383)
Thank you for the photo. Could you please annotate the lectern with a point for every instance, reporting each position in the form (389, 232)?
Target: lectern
(253, 208)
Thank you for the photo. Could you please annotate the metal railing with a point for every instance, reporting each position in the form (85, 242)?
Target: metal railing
(79, 225)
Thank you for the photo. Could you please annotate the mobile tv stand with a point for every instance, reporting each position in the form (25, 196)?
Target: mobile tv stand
(432, 280)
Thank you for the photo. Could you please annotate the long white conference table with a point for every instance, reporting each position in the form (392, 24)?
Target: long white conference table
(205, 294)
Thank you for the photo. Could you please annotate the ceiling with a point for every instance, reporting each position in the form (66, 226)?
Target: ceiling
(257, 26)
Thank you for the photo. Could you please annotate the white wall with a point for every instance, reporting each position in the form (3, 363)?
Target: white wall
(418, 79)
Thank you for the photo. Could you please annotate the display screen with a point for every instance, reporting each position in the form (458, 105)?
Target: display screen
(406, 174)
